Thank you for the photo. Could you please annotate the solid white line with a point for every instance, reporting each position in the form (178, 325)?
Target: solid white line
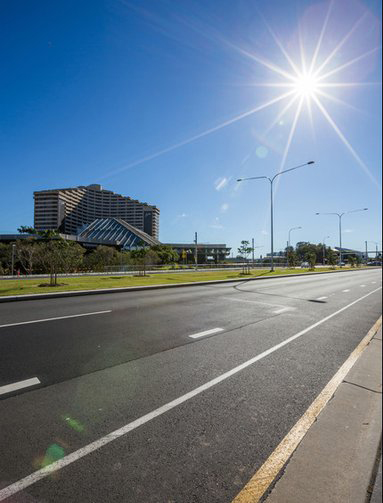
(206, 332)
(19, 385)
(27, 481)
(344, 291)
(52, 319)
(262, 479)
(321, 298)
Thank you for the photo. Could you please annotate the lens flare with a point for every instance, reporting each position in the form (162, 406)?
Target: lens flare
(306, 85)
(304, 82)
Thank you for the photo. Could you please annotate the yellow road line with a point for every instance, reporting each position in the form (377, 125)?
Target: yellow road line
(262, 479)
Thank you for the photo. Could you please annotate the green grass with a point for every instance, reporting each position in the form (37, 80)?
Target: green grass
(32, 286)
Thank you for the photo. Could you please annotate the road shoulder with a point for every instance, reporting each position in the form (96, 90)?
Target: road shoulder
(336, 459)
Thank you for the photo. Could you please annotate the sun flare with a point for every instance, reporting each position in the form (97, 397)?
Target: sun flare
(306, 85)
(309, 80)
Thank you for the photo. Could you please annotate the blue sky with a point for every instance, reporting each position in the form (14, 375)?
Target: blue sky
(145, 97)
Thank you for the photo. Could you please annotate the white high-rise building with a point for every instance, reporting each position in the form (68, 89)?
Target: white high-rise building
(68, 210)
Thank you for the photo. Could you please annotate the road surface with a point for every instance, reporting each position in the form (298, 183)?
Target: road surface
(174, 395)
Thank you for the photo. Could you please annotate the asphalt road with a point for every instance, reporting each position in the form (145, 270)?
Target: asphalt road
(108, 360)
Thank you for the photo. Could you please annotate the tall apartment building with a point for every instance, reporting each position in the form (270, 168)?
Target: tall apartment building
(69, 209)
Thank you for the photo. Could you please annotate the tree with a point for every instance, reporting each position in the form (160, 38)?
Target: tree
(72, 257)
(332, 257)
(244, 250)
(27, 253)
(26, 229)
(166, 254)
(351, 260)
(100, 258)
(51, 257)
(292, 258)
(311, 259)
(142, 257)
(303, 249)
(5, 257)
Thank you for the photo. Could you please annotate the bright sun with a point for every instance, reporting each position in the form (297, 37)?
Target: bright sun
(306, 85)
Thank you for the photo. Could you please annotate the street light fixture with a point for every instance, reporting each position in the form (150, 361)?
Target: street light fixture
(324, 249)
(271, 180)
(340, 215)
(292, 229)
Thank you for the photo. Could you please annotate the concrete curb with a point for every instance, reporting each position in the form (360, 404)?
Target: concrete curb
(376, 495)
(337, 459)
(101, 291)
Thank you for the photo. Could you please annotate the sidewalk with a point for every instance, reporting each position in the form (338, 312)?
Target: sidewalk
(337, 461)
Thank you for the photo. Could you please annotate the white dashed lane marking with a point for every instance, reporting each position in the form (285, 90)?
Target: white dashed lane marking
(19, 385)
(206, 332)
(54, 319)
(72, 457)
(282, 310)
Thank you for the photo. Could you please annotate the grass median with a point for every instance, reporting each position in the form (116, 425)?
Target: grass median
(35, 286)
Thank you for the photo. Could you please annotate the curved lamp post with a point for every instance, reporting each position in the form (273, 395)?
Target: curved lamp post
(292, 229)
(271, 180)
(340, 215)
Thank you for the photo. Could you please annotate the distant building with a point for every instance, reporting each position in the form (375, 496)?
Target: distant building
(114, 232)
(348, 251)
(70, 210)
(119, 234)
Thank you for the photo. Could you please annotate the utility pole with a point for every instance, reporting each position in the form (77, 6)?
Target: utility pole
(252, 249)
(366, 253)
(196, 250)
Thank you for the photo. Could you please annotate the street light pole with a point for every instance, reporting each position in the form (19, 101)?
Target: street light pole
(272, 224)
(196, 250)
(292, 229)
(340, 239)
(340, 215)
(271, 180)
